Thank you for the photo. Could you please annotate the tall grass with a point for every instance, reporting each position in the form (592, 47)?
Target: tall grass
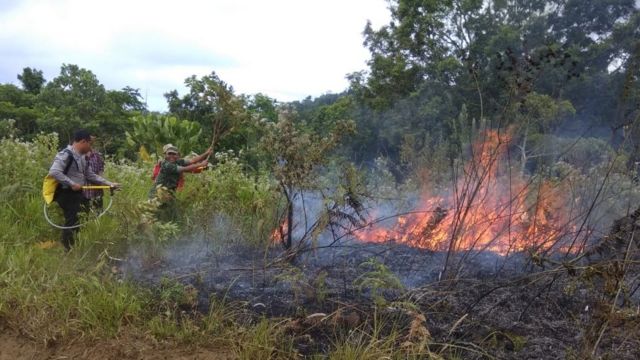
(51, 295)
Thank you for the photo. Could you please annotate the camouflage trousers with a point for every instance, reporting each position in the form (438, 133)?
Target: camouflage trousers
(167, 204)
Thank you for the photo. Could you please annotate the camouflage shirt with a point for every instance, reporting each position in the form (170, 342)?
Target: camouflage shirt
(169, 175)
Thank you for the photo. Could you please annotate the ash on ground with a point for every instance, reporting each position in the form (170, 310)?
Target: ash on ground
(280, 284)
(487, 304)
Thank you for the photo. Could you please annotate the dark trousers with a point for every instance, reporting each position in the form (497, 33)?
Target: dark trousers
(71, 202)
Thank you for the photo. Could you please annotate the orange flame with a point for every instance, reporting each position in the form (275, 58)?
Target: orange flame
(489, 209)
(278, 234)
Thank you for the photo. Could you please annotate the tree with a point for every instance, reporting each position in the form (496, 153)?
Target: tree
(18, 105)
(456, 41)
(75, 98)
(489, 56)
(321, 113)
(535, 116)
(263, 106)
(212, 103)
(76, 92)
(295, 155)
(127, 99)
(32, 80)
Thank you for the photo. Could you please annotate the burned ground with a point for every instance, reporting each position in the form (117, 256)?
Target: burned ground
(491, 306)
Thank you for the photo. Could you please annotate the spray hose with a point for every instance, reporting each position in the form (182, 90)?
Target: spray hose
(88, 187)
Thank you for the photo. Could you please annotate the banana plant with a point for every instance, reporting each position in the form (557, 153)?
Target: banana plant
(154, 131)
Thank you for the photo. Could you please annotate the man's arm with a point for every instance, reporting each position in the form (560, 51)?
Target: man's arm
(192, 166)
(58, 166)
(200, 158)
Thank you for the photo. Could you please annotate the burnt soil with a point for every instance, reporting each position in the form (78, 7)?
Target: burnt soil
(485, 304)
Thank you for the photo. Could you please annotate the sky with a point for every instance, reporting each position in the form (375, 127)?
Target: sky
(286, 49)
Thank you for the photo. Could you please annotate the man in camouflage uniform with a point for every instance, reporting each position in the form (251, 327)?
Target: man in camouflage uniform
(166, 182)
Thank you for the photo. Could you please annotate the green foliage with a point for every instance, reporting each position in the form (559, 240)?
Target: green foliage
(295, 278)
(581, 153)
(324, 113)
(23, 165)
(541, 113)
(377, 279)
(606, 190)
(263, 106)
(76, 92)
(426, 160)
(44, 296)
(294, 153)
(435, 40)
(440, 71)
(52, 296)
(18, 105)
(532, 118)
(32, 80)
(154, 131)
(509, 62)
(500, 339)
(320, 287)
(248, 199)
(8, 128)
(358, 345)
(76, 99)
(212, 103)
(173, 295)
(351, 190)
(260, 342)
(127, 100)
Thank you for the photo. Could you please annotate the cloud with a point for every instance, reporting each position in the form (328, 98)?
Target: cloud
(145, 48)
(284, 48)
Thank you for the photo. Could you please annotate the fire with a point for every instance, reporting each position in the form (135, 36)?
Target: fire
(490, 209)
(278, 234)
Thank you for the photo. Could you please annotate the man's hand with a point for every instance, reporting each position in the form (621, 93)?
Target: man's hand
(203, 164)
(76, 187)
(116, 186)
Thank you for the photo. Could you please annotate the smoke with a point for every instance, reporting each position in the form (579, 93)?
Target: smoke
(487, 223)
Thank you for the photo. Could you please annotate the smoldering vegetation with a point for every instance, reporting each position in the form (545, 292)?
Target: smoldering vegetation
(521, 278)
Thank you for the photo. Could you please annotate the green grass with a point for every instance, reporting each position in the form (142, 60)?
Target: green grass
(50, 295)
(360, 345)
